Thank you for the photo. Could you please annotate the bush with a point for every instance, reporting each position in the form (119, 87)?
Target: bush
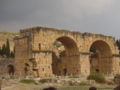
(48, 80)
(27, 81)
(98, 77)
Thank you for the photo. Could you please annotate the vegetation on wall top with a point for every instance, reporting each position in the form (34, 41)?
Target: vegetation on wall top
(9, 33)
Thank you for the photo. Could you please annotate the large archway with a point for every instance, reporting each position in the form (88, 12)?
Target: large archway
(65, 57)
(100, 57)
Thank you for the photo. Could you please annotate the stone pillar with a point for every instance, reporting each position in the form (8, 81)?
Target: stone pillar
(19, 68)
(84, 64)
(116, 64)
(21, 54)
(68, 65)
(44, 63)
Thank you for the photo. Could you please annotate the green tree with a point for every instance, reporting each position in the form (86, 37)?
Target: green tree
(7, 48)
(3, 50)
(0, 51)
(12, 54)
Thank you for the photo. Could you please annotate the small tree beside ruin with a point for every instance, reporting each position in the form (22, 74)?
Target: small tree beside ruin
(5, 50)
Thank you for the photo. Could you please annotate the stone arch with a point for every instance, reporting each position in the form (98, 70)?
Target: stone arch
(10, 69)
(69, 44)
(100, 57)
(65, 60)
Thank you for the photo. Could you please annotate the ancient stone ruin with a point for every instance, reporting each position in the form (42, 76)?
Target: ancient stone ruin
(49, 52)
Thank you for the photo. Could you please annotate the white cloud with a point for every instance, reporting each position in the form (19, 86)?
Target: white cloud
(83, 7)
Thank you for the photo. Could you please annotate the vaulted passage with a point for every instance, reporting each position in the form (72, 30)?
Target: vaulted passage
(11, 70)
(65, 57)
(101, 57)
(26, 69)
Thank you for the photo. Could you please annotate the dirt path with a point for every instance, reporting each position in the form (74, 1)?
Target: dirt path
(16, 85)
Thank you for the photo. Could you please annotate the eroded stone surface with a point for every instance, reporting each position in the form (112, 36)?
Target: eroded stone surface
(36, 53)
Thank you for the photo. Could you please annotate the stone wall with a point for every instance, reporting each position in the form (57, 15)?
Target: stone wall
(35, 47)
(21, 54)
(4, 66)
(66, 66)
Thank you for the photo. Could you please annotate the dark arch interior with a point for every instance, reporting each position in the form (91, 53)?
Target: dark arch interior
(11, 69)
(65, 57)
(26, 69)
(100, 58)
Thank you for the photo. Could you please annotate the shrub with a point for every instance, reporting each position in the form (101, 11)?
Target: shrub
(98, 77)
(48, 80)
(27, 81)
(84, 84)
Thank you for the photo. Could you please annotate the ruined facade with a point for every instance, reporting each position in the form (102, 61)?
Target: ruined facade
(48, 52)
(7, 67)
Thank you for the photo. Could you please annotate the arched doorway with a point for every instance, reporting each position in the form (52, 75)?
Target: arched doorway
(11, 70)
(65, 57)
(100, 57)
(26, 69)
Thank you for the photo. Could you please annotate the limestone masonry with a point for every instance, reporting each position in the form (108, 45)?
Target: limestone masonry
(49, 52)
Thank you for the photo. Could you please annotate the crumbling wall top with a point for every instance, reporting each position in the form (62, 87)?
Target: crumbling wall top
(44, 29)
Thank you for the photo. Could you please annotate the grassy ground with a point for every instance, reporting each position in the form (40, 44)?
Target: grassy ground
(82, 88)
(8, 33)
(31, 85)
(21, 86)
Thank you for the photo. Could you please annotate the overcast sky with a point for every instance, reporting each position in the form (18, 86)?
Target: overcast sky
(96, 16)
